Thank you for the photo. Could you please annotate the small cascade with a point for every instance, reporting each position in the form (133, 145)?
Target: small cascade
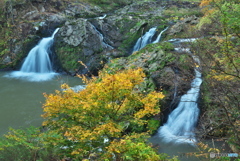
(160, 35)
(37, 65)
(104, 44)
(181, 122)
(145, 39)
(102, 17)
(38, 60)
(179, 40)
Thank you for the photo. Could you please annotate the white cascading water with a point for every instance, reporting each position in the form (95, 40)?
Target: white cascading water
(181, 122)
(37, 65)
(147, 39)
(160, 35)
(104, 44)
(179, 40)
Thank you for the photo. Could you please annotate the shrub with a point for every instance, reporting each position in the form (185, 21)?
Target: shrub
(110, 110)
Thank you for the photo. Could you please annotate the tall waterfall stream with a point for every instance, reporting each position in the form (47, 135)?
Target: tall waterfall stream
(181, 123)
(178, 133)
(180, 126)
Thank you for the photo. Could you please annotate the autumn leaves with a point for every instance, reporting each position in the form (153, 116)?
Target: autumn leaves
(111, 107)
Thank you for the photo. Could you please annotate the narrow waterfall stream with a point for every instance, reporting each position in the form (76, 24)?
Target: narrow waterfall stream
(160, 35)
(177, 135)
(181, 122)
(37, 65)
(101, 37)
(147, 38)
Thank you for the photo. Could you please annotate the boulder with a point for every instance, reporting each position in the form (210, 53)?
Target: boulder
(79, 40)
(182, 24)
(82, 10)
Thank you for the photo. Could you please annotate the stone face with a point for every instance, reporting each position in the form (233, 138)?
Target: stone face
(56, 19)
(179, 26)
(82, 10)
(78, 40)
(7, 60)
(143, 9)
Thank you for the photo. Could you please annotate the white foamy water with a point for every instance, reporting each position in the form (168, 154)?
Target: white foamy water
(32, 76)
(145, 39)
(37, 65)
(181, 123)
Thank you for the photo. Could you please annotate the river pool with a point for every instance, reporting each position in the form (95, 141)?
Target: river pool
(21, 100)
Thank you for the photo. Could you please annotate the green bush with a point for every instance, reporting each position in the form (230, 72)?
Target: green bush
(28, 145)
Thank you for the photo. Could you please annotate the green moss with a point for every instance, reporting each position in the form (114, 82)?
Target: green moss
(164, 46)
(134, 56)
(136, 27)
(114, 66)
(131, 37)
(174, 13)
(69, 56)
(153, 56)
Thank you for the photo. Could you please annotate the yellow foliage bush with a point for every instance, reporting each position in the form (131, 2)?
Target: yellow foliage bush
(111, 106)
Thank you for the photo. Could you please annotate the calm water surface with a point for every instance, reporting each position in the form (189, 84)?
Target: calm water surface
(21, 100)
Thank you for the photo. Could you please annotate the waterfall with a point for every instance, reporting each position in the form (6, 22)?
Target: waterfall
(104, 44)
(181, 122)
(145, 39)
(37, 65)
(38, 60)
(160, 35)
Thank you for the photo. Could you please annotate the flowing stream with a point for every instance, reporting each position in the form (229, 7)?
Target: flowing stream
(101, 37)
(180, 126)
(147, 38)
(177, 135)
(181, 122)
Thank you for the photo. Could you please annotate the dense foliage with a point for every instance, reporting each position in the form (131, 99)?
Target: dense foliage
(221, 66)
(104, 113)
